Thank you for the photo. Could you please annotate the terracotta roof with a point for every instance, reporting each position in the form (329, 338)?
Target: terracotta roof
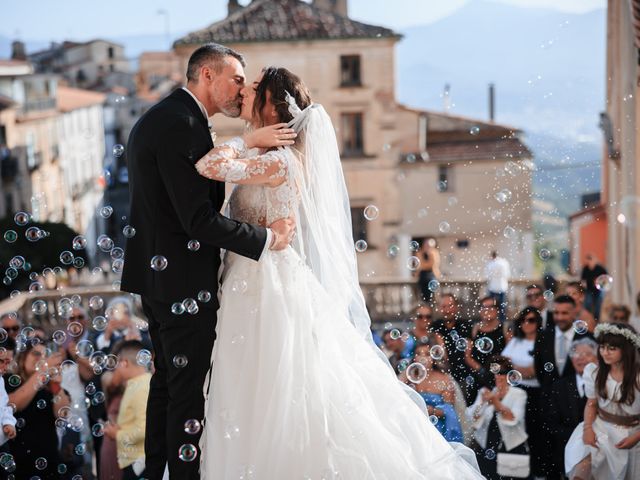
(283, 20)
(452, 138)
(69, 99)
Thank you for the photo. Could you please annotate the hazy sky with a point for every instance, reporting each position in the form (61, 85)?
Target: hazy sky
(81, 19)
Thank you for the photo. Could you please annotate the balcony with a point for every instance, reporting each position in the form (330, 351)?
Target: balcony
(35, 105)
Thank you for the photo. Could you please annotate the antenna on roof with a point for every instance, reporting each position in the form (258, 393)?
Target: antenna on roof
(446, 97)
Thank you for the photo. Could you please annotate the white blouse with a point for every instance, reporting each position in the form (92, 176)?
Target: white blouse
(610, 404)
(520, 352)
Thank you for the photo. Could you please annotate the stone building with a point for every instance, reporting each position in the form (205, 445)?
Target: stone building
(420, 168)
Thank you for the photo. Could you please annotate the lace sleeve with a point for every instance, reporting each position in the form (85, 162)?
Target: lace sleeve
(229, 163)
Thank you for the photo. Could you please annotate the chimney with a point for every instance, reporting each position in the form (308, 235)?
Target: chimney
(492, 102)
(339, 7)
(18, 51)
(233, 6)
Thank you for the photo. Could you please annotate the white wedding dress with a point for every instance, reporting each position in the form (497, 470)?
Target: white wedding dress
(296, 391)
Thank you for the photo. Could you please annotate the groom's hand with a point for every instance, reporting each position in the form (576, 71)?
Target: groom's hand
(277, 135)
(283, 232)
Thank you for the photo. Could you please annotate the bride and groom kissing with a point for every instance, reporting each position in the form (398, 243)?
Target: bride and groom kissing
(280, 368)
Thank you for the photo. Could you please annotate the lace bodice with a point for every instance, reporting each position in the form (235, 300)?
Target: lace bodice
(254, 199)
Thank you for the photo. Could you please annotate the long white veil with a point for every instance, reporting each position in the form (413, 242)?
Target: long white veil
(325, 238)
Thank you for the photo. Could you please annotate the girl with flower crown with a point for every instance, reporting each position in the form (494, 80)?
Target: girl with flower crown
(607, 444)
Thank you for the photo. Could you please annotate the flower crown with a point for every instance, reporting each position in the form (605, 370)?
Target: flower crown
(604, 328)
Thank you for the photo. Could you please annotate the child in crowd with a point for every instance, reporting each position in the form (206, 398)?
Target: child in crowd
(7, 420)
(606, 444)
(130, 430)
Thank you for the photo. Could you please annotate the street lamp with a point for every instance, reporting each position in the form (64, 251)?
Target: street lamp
(165, 13)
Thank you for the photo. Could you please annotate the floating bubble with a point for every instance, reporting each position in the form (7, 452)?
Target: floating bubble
(106, 211)
(159, 263)
(489, 454)
(436, 352)
(79, 243)
(452, 201)
(422, 213)
(514, 378)
(204, 296)
(97, 430)
(413, 263)
(190, 305)
(90, 389)
(118, 150)
(96, 302)
(416, 373)
(177, 308)
(414, 246)
(62, 469)
(41, 404)
(604, 283)
(395, 334)
(475, 130)
(3, 335)
(484, 345)
(444, 227)
(580, 327)
(10, 236)
(21, 218)
(66, 257)
(41, 463)
(75, 329)
(393, 251)
(59, 337)
(461, 344)
(442, 186)
(548, 367)
(548, 295)
(187, 452)
(371, 212)
(78, 262)
(237, 339)
(509, 232)
(14, 380)
(544, 254)
(361, 246)
(84, 348)
(11, 273)
(411, 158)
(433, 419)
(143, 358)
(117, 253)
(117, 266)
(39, 307)
(17, 262)
(231, 432)
(104, 243)
(80, 449)
(193, 245)
(192, 426)
(433, 285)
(180, 361)
(128, 231)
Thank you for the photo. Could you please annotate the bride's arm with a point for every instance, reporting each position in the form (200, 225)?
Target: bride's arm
(229, 163)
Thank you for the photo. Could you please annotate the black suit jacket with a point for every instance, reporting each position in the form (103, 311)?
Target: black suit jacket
(172, 204)
(544, 352)
(566, 411)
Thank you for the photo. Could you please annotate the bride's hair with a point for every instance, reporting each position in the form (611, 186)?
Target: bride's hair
(277, 81)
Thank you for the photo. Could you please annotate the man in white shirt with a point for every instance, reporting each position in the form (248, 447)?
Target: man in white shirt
(498, 272)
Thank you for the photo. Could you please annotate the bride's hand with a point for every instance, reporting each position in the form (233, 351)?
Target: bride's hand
(277, 135)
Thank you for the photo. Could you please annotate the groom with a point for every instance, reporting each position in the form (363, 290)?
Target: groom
(171, 207)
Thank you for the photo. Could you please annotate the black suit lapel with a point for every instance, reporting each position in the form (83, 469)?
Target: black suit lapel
(184, 97)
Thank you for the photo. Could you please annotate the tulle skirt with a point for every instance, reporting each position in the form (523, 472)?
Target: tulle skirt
(296, 393)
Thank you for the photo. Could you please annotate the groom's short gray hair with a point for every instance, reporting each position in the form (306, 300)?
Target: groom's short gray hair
(212, 54)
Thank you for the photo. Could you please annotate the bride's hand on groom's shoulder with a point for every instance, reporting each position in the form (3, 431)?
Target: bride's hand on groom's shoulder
(277, 135)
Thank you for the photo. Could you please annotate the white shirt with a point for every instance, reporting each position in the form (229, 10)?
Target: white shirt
(518, 350)
(6, 412)
(497, 272)
(580, 385)
(544, 313)
(567, 338)
(203, 109)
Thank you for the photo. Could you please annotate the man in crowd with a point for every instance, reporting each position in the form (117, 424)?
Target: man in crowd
(11, 323)
(590, 272)
(535, 298)
(498, 272)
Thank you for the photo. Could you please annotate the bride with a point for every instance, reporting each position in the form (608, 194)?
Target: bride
(298, 388)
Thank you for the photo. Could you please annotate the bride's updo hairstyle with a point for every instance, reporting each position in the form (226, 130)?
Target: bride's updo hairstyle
(277, 81)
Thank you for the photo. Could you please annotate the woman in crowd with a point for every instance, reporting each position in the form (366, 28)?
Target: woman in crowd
(429, 269)
(35, 390)
(437, 389)
(607, 443)
(526, 327)
(498, 420)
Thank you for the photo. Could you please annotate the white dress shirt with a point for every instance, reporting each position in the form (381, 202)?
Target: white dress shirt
(518, 350)
(203, 109)
(580, 385)
(497, 272)
(567, 338)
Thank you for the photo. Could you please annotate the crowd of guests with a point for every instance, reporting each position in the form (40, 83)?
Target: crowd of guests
(73, 400)
(552, 393)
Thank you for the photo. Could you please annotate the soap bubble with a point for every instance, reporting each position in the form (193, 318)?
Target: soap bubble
(39, 307)
(514, 378)
(484, 345)
(544, 254)
(416, 373)
(580, 327)
(99, 323)
(444, 227)
(413, 263)
(371, 212)
(10, 236)
(361, 246)
(21, 218)
(193, 245)
(96, 302)
(118, 150)
(79, 243)
(177, 308)
(548, 367)
(66, 257)
(414, 246)
(475, 130)
(436, 352)
(104, 243)
(180, 361)
(128, 231)
(434, 285)
(192, 426)
(159, 263)
(106, 211)
(204, 296)
(604, 283)
(187, 452)
(143, 358)
(393, 251)
(548, 295)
